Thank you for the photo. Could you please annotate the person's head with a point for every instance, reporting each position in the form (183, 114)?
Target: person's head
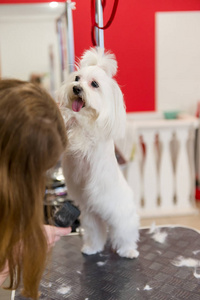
(32, 139)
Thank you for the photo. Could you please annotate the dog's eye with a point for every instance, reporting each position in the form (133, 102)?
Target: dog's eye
(77, 78)
(94, 84)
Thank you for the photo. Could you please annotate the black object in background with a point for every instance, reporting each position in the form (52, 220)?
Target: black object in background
(58, 208)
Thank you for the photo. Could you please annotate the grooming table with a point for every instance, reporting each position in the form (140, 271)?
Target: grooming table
(106, 276)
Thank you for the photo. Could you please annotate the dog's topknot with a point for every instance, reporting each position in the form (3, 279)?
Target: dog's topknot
(96, 56)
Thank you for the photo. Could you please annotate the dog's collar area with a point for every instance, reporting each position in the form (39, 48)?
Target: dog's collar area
(78, 104)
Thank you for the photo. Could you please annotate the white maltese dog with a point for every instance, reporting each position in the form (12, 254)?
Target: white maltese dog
(93, 109)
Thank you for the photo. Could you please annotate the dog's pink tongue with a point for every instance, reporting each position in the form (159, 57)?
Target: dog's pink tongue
(77, 104)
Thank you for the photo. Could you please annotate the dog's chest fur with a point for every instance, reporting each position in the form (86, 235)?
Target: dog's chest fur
(88, 162)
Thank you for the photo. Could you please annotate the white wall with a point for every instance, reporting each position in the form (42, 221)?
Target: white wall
(177, 61)
(24, 47)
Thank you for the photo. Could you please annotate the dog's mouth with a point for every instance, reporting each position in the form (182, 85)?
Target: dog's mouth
(78, 104)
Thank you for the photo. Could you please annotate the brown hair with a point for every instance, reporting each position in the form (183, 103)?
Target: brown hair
(32, 138)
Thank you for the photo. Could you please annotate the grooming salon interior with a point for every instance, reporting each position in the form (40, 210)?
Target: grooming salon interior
(157, 48)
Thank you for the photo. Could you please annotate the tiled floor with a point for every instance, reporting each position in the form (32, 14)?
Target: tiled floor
(192, 221)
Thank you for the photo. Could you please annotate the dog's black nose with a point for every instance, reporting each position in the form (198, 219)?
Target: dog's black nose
(77, 89)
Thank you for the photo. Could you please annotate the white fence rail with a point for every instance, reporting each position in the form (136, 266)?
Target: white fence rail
(160, 167)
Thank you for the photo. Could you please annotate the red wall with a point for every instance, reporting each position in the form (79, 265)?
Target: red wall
(131, 37)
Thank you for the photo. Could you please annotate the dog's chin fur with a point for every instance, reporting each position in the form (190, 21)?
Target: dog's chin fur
(92, 174)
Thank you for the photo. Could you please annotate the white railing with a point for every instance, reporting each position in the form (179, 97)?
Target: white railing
(160, 167)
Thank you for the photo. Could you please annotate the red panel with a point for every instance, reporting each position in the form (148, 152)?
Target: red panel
(132, 38)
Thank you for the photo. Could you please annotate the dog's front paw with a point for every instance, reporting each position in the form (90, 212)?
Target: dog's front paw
(130, 253)
(86, 249)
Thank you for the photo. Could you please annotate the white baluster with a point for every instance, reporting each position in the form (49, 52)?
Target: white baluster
(183, 181)
(150, 180)
(166, 174)
(191, 153)
(134, 174)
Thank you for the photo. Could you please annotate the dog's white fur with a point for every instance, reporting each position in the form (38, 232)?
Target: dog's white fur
(92, 174)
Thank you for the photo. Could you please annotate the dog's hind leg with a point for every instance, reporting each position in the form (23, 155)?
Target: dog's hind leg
(95, 233)
(124, 236)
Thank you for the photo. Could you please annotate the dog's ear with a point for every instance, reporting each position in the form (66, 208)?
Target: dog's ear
(97, 57)
(112, 118)
(119, 112)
